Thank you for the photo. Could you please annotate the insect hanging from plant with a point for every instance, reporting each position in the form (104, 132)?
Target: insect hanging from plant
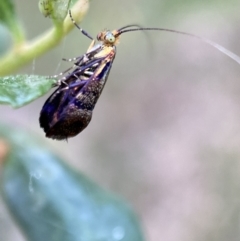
(69, 109)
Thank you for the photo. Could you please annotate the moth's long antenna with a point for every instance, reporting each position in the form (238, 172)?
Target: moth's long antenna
(130, 26)
(215, 45)
(83, 31)
(139, 27)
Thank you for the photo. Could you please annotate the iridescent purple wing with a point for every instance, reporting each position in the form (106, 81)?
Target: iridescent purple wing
(68, 110)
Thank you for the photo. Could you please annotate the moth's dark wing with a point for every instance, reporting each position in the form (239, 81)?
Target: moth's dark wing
(58, 111)
(71, 122)
(76, 112)
(51, 107)
(69, 109)
(56, 106)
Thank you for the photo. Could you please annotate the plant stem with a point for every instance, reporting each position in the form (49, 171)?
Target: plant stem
(25, 52)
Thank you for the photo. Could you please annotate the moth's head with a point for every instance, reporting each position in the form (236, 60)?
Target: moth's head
(109, 38)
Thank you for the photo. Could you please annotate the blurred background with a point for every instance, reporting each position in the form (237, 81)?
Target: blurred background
(165, 134)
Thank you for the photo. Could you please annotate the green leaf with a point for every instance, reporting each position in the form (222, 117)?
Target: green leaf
(19, 90)
(56, 9)
(52, 201)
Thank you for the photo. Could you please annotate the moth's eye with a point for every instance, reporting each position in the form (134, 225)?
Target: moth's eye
(110, 38)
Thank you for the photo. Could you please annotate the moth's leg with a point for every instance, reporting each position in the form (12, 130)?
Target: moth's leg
(77, 74)
(77, 84)
(79, 58)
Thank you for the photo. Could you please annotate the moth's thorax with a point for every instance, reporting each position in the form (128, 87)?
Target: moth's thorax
(106, 50)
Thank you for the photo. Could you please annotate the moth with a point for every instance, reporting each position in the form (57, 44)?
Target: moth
(68, 111)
